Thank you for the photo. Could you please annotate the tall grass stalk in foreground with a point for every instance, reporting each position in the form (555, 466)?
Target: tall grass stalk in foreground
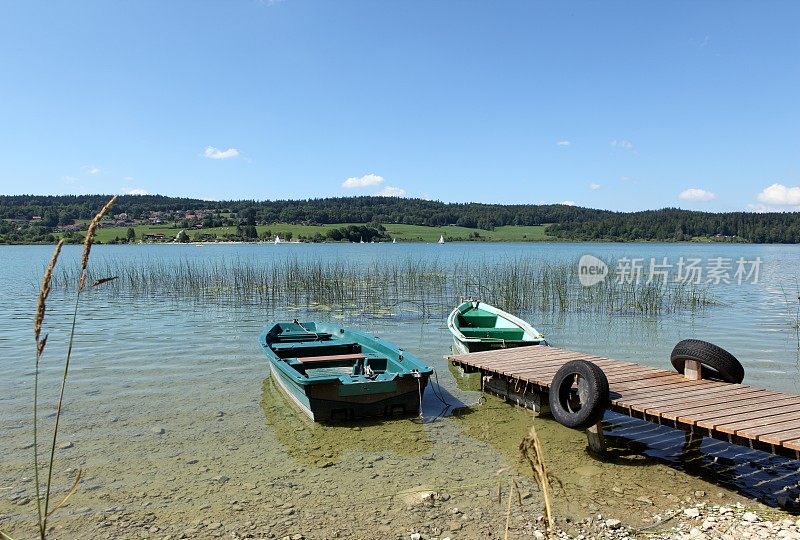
(531, 450)
(45, 512)
(41, 342)
(512, 486)
(508, 511)
(41, 307)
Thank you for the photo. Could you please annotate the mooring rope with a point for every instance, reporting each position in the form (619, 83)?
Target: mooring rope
(298, 323)
(419, 389)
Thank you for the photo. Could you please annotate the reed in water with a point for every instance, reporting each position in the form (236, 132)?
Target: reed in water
(429, 287)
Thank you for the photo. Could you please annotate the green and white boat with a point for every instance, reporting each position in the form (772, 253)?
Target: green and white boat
(333, 373)
(477, 326)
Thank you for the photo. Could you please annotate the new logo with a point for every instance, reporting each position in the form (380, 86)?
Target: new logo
(591, 270)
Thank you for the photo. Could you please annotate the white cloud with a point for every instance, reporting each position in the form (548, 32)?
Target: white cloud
(594, 186)
(391, 191)
(568, 203)
(620, 143)
(135, 191)
(780, 194)
(69, 179)
(363, 181)
(697, 195)
(564, 143)
(373, 180)
(91, 169)
(215, 153)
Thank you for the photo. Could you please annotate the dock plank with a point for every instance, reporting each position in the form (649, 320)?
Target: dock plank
(777, 422)
(672, 395)
(694, 392)
(794, 444)
(739, 418)
(708, 404)
(781, 436)
(697, 403)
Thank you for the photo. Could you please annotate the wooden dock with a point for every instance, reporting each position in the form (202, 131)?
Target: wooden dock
(738, 413)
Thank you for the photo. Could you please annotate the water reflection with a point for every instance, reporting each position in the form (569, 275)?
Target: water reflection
(322, 445)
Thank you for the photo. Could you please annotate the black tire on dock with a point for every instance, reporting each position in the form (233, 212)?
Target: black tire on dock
(718, 363)
(580, 407)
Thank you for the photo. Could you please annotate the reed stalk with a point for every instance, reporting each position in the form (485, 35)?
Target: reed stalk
(43, 513)
(41, 343)
(531, 450)
(41, 309)
(508, 510)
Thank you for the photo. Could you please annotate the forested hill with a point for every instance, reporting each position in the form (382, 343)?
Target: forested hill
(322, 211)
(565, 222)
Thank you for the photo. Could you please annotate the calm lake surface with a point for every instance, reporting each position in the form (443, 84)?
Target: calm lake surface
(194, 370)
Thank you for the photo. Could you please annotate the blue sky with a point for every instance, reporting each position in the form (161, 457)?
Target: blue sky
(620, 105)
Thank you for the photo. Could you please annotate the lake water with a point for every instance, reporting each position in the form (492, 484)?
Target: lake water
(233, 456)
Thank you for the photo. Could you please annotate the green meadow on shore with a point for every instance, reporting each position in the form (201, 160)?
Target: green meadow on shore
(403, 233)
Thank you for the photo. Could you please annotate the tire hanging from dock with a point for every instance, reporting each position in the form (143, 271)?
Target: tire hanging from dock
(580, 407)
(721, 365)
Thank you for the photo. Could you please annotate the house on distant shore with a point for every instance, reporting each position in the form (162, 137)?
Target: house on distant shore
(153, 237)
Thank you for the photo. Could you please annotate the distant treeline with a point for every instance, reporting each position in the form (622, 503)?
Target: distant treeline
(674, 224)
(565, 222)
(64, 209)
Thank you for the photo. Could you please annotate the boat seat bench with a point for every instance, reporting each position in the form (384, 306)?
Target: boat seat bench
(312, 344)
(477, 320)
(294, 337)
(330, 358)
(509, 334)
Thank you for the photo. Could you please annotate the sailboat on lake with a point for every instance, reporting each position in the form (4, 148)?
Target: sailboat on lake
(441, 239)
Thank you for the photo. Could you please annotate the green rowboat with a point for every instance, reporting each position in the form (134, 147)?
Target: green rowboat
(333, 373)
(477, 326)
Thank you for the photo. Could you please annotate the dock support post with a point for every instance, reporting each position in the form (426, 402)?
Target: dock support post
(690, 453)
(523, 396)
(541, 405)
(693, 370)
(597, 443)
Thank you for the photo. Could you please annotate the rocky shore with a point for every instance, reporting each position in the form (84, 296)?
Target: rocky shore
(255, 470)
(699, 522)
(415, 514)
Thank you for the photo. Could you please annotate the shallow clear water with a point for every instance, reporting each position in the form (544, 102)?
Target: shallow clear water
(194, 369)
